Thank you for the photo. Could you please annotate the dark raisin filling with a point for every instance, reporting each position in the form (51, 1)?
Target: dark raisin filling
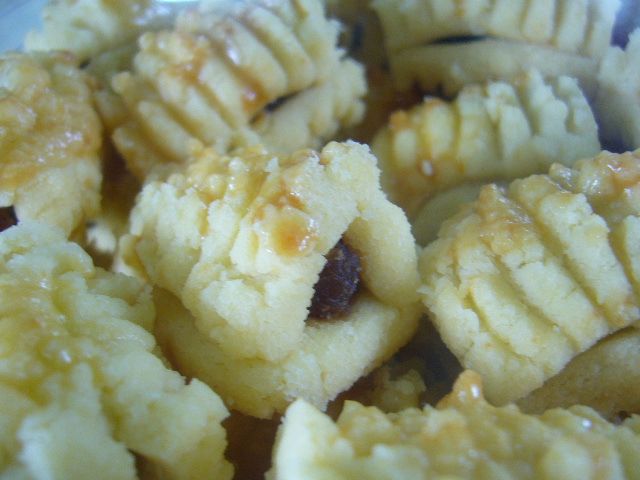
(8, 218)
(338, 283)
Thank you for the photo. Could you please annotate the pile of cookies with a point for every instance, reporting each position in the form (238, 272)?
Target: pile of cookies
(321, 239)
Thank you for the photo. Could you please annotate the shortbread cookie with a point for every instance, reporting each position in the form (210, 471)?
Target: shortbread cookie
(247, 241)
(611, 184)
(83, 392)
(617, 105)
(50, 140)
(528, 276)
(90, 27)
(256, 226)
(463, 438)
(327, 360)
(576, 26)
(445, 68)
(493, 131)
(606, 377)
(230, 64)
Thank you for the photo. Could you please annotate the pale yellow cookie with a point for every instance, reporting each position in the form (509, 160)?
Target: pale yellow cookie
(445, 68)
(617, 103)
(577, 26)
(327, 360)
(243, 241)
(83, 391)
(611, 184)
(310, 118)
(606, 378)
(491, 131)
(90, 27)
(50, 140)
(463, 438)
(228, 65)
(527, 277)
(257, 226)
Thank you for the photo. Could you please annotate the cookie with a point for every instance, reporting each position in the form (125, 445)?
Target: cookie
(50, 140)
(527, 277)
(251, 244)
(491, 131)
(433, 212)
(605, 378)
(463, 437)
(90, 27)
(83, 389)
(576, 26)
(228, 65)
(327, 360)
(446, 68)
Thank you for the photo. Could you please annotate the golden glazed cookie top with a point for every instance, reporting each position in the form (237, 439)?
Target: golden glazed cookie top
(463, 437)
(81, 385)
(528, 276)
(50, 139)
(496, 130)
(256, 226)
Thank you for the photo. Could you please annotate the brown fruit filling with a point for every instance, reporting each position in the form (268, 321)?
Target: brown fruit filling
(8, 218)
(338, 283)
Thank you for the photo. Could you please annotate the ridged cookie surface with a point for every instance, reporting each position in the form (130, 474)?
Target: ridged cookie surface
(227, 65)
(491, 131)
(606, 378)
(50, 139)
(81, 385)
(463, 437)
(528, 276)
(90, 27)
(617, 104)
(445, 68)
(580, 26)
(245, 240)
